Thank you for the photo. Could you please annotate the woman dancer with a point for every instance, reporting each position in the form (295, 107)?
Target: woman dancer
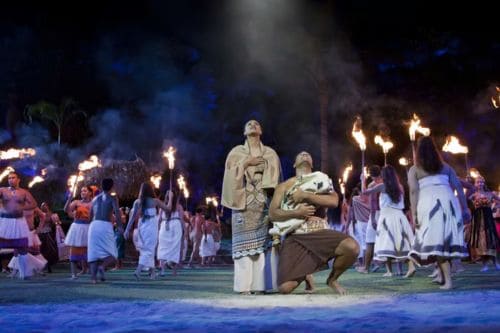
(438, 217)
(483, 237)
(171, 234)
(145, 207)
(207, 245)
(77, 237)
(394, 233)
(46, 232)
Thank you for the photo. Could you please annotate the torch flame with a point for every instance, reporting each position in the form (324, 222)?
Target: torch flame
(212, 200)
(17, 153)
(186, 193)
(386, 145)
(404, 161)
(5, 172)
(415, 127)
(494, 101)
(342, 186)
(358, 135)
(156, 180)
(453, 146)
(91, 163)
(474, 173)
(169, 154)
(345, 174)
(35, 180)
(73, 181)
(181, 182)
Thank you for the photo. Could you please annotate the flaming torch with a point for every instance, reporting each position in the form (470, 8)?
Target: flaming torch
(156, 180)
(17, 153)
(345, 177)
(452, 145)
(342, 187)
(5, 172)
(474, 173)
(360, 138)
(169, 155)
(415, 127)
(496, 101)
(386, 146)
(91, 163)
(36, 180)
(185, 191)
(73, 181)
(212, 200)
(403, 161)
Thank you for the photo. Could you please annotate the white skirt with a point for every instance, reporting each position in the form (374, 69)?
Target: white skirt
(441, 230)
(101, 242)
(170, 241)
(78, 235)
(358, 232)
(34, 264)
(394, 235)
(207, 246)
(33, 239)
(147, 236)
(14, 228)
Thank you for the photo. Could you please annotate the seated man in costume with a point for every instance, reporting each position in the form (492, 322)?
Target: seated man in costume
(315, 183)
(309, 248)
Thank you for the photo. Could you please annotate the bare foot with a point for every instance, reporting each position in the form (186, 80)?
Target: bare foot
(434, 273)
(335, 285)
(438, 280)
(310, 286)
(447, 286)
(245, 293)
(410, 273)
(362, 270)
(100, 271)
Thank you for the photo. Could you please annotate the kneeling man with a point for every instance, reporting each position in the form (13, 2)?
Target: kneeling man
(309, 248)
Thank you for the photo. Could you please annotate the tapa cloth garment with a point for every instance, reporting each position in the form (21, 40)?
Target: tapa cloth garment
(316, 183)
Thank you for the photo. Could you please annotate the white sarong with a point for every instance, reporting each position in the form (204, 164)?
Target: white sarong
(170, 239)
(207, 246)
(147, 235)
(101, 243)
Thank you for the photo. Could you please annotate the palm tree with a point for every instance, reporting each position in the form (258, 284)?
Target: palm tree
(58, 115)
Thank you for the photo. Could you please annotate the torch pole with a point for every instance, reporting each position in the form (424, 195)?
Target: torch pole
(363, 169)
(466, 164)
(76, 183)
(171, 178)
(414, 151)
(385, 159)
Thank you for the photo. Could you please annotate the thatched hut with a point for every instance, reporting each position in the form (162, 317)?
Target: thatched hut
(127, 175)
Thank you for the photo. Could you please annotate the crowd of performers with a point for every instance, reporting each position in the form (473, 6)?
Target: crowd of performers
(161, 232)
(280, 231)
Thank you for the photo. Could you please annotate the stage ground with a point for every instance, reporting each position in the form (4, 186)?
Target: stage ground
(201, 300)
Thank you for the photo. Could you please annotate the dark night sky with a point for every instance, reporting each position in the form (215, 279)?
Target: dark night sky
(195, 71)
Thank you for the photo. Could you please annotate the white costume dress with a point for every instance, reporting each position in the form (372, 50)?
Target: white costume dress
(441, 230)
(170, 238)
(147, 235)
(394, 234)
